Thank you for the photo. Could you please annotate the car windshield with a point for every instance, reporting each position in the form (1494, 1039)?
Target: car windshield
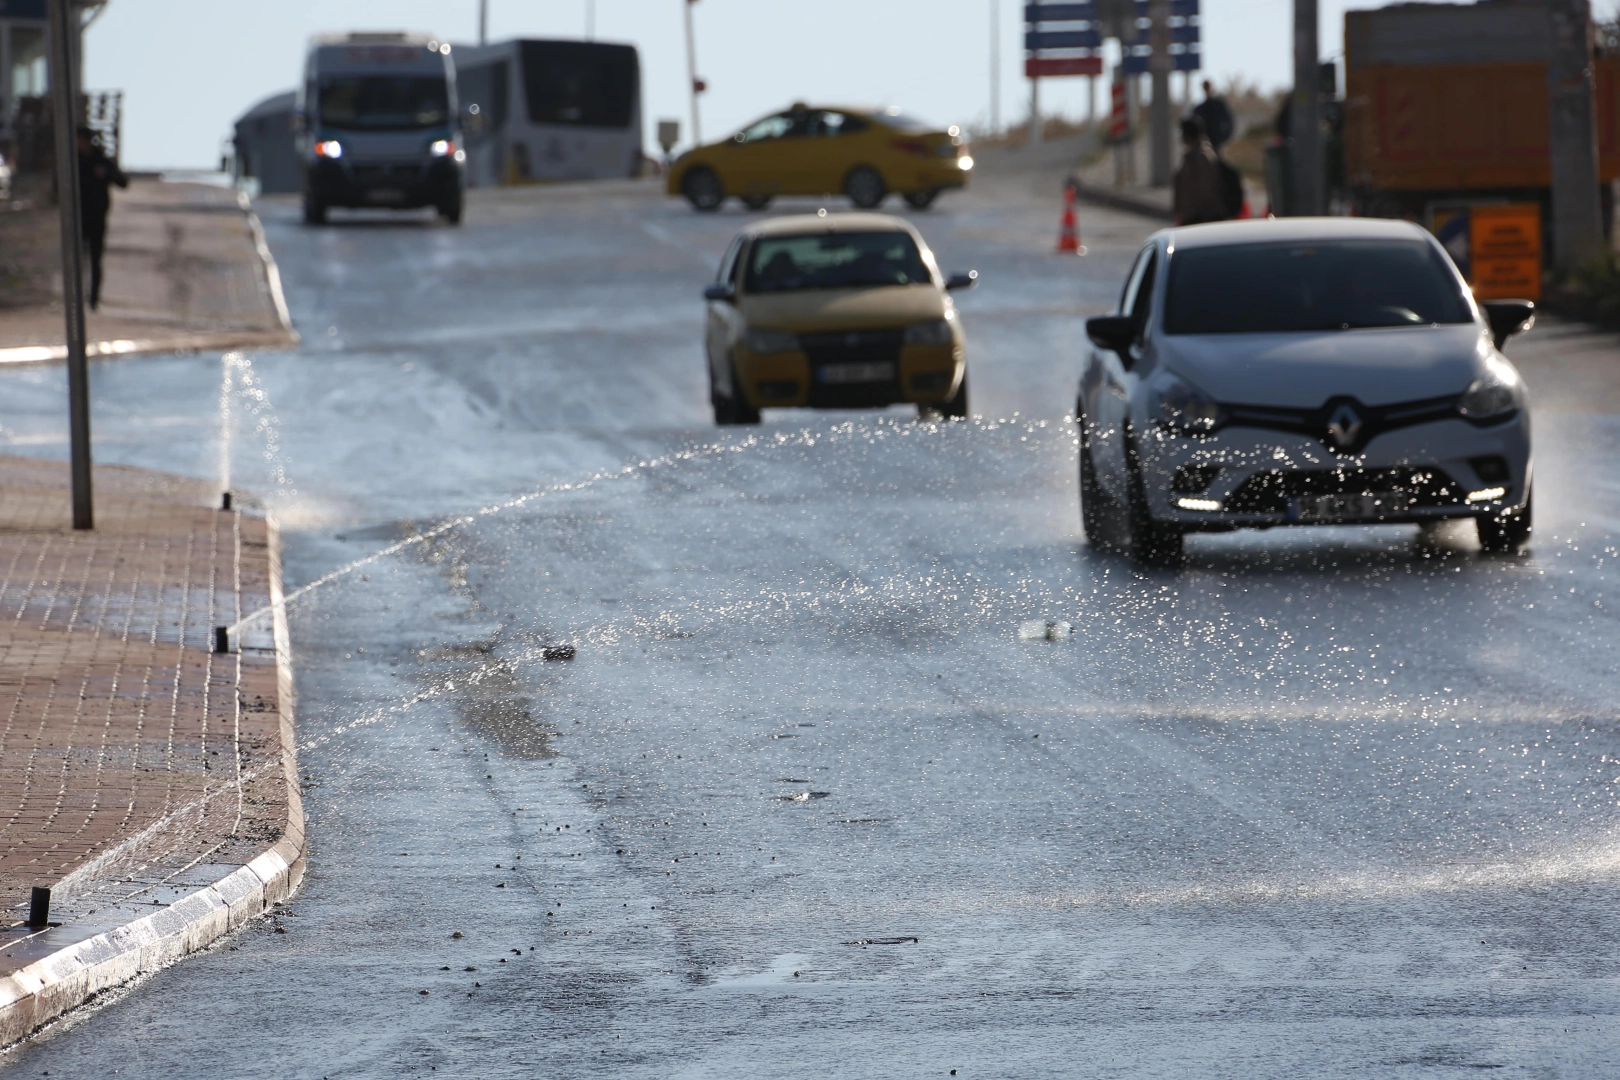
(384, 102)
(834, 261)
(1325, 285)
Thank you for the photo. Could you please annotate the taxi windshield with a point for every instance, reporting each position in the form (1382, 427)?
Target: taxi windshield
(1323, 285)
(834, 261)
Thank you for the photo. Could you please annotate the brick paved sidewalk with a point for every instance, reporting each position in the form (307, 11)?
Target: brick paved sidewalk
(186, 268)
(136, 764)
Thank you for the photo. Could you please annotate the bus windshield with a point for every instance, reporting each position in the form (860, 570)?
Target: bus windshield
(384, 102)
(834, 261)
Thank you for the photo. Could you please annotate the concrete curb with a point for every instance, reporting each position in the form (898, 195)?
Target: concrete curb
(71, 969)
(1119, 201)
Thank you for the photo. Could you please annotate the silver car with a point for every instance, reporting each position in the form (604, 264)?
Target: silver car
(1312, 371)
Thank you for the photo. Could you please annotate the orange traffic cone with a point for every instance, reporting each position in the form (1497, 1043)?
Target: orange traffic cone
(1069, 234)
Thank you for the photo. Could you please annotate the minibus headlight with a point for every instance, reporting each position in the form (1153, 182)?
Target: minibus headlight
(442, 147)
(329, 148)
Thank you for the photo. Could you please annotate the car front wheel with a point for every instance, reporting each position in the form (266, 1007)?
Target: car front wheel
(733, 408)
(1099, 513)
(1153, 543)
(921, 200)
(1507, 532)
(756, 202)
(703, 190)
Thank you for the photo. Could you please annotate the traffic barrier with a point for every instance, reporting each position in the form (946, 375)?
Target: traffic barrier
(1069, 233)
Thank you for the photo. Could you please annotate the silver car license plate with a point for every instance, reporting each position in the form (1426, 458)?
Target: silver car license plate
(877, 371)
(1326, 508)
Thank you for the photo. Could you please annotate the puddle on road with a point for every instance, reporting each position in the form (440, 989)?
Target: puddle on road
(485, 693)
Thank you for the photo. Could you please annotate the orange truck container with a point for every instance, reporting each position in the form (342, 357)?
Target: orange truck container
(1446, 105)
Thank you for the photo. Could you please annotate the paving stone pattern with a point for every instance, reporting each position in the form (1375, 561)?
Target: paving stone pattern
(129, 750)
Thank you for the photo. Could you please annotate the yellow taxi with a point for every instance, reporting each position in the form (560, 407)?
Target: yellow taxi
(816, 150)
(833, 311)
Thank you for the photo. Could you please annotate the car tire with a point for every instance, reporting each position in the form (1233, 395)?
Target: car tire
(731, 410)
(1509, 532)
(756, 202)
(450, 210)
(314, 210)
(1099, 513)
(703, 189)
(957, 407)
(921, 200)
(865, 188)
(1152, 543)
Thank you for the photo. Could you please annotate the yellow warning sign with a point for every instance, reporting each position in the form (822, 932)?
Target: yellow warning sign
(1505, 251)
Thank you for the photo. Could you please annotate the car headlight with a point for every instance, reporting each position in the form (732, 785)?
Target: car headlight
(770, 341)
(442, 147)
(1185, 408)
(937, 332)
(1495, 395)
(329, 148)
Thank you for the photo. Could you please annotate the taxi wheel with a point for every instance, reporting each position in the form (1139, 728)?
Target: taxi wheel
(756, 202)
(865, 187)
(921, 200)
(702, 189)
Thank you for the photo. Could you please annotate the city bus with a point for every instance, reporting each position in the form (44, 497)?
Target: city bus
(378, 126)
(550, 110)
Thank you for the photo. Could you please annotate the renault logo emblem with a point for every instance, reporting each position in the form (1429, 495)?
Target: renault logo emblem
(1344, 427)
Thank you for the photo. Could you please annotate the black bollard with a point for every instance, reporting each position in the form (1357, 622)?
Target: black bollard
(39, 908)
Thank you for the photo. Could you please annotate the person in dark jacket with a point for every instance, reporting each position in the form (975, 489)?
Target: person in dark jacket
(97, 175)
(1200, 184)
(1216, 115)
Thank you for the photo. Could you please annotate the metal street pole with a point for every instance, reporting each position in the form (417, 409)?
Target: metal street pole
(590, 20)
(691, 73)
(1304, 120)
(1035, 132)
(1577, 215)
(64, 112)
(995, 67)
(483, 22)
(1159, 63)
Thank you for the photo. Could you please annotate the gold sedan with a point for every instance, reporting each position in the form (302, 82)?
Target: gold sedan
(815, 150)
(833, 311)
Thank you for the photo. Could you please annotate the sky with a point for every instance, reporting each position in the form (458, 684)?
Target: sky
(188, 68)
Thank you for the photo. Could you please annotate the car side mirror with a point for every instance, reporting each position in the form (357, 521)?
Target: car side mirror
(1115, 332)
(962, 281)
(723, 291)
(1509, 317)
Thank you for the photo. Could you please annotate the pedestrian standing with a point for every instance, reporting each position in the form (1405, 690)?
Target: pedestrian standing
(97, 175)
(1200, 187)
(1216, 115)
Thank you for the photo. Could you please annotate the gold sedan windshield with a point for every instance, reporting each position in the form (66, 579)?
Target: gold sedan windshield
(834, 261)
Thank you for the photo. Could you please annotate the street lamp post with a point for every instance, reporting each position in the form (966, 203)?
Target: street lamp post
(63, 37)
(696, 85)
(1305, 113)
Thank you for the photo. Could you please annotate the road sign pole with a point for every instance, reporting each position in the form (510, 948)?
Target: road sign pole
(995, 67)
(1304, 121)
(63, 115)
(1577, 215)
(1159, 119)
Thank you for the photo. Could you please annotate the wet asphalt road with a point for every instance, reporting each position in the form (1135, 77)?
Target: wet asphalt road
(1334, 802)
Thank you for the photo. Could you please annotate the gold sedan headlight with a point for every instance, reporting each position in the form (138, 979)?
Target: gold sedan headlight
(937, 332)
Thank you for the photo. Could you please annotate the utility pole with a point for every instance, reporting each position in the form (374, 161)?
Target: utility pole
(995, 67)
(1305, 111)
(63, 33)
(1159, 63)
(691, 74)
(590, 20)
(483, 22)
(1577, 215)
